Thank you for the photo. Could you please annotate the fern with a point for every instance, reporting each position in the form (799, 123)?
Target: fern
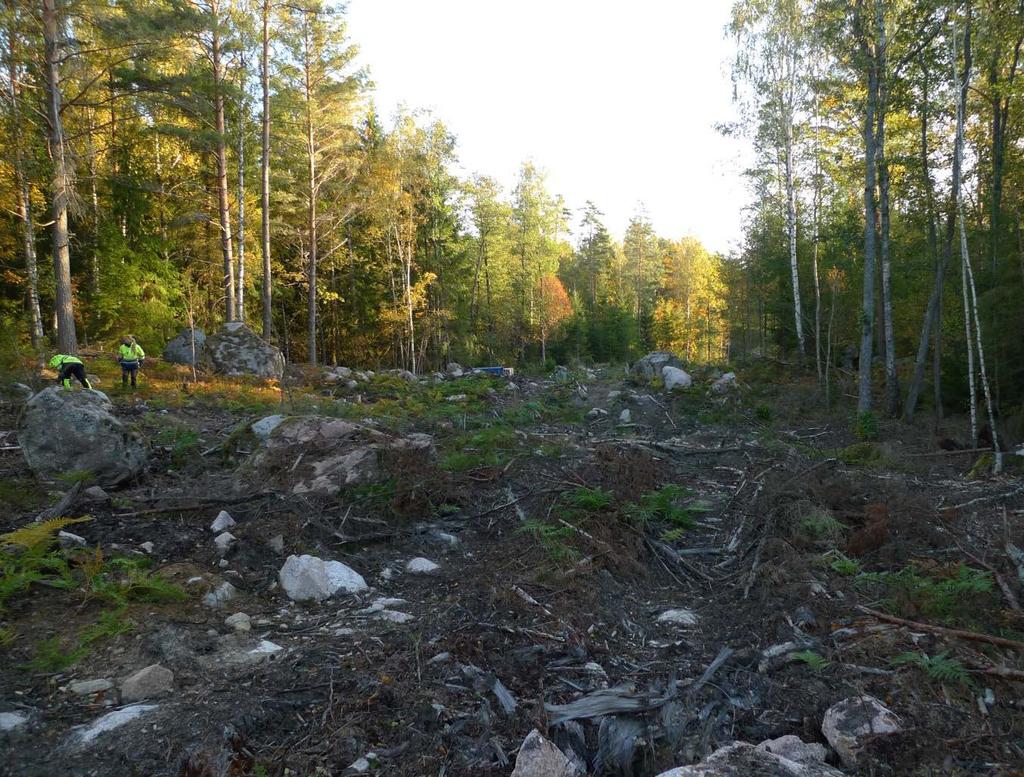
(815, 661)
(939, 667)
(591, 499)
(39, 535)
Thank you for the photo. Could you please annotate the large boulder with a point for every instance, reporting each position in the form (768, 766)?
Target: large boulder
(307, 577)
(741, 759)
(851, 723)
(76, 431)
(179, 350)
(675, 378)
(320, 455)
(650, 366)
(235, 349)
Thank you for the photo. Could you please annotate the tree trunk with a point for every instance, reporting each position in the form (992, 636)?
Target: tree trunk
(240, 302)
(864, 402)
(892, 385)
(311, 208)
(815, 239)
(791, 223)
(265, 176)
(222, 167)
(23, 190)
(67, 338)
(933, 313)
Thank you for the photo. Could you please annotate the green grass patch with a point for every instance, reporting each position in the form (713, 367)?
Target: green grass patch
(862, 454)
(492, 446)
(940, 667)
(22, 495)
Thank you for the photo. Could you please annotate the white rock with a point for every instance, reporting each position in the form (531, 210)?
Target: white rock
(364, 764)
(222, 522)
(675, 378)
(68, 540)
(225, 541)
(596, 412)
(456, 398)
(394, 616)
(741, 759)
(614, 395)
(112, 720)
(386, 574)
(149, 547)
(265, 648)
(308, 577)
(89, 687)
(679, 617)
(240, 621)
(625, 416)
(265, 426)
(276, 543)
(454, 370)
(440, 658)
(147, 683)
(848, 723)
(221, 595)
(795, 749)
(9, 721)
(447, 538)
(421, 566)
(539, 757)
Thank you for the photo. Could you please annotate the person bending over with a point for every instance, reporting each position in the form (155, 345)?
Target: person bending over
(69, 367)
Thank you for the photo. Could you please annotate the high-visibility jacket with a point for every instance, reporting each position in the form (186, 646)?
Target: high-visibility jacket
(130, 353)
(58, 361)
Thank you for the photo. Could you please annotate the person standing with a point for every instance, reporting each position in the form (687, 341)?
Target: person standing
(131, 356)
(69, 367)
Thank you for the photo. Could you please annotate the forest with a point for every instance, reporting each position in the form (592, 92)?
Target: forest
(207, 161)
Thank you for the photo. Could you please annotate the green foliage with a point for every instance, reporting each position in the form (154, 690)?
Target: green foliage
(763, 413)
(60, 652)
(492, 446)
(866, 427)
(554, 539)
(21, 494)
(843, 565)
(939, 667)
(588, 499)
(862, 454)
(815, 661)
(666, 506)
(822, 526)
(180, 442)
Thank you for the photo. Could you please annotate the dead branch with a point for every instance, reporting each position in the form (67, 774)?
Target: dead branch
(972, 636)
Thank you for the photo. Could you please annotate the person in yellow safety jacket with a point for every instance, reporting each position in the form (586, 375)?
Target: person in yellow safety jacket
(68, 367)
(131, 356)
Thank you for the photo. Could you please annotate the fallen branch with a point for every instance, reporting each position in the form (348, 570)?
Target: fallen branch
(1001, 671)
(992, 497)
(66, 503)
(972, 636)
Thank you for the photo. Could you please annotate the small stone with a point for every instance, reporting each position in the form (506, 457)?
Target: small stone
(276, 543)
(456, 398)
(447, 538)
(239, 622)
(679, 617)
(847, 724)
(225, 541)
(394, 616)
(89, 687)
(724, 383)
(596, 413)
(221, 595)
(222, 522)
(67, 540)
(10, 721)
(149, 547)
(265, 648)
(147, 683)
(614, 395)
(363, 765)
(95, 494)
(386, 574)
(795, 749)
(625, 416)
(440, 658)
(223, 563)
(421, 566)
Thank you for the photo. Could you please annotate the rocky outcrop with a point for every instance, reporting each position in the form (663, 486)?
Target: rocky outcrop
(319, 455)
(741, 759)
(179, 350)
(77, 431)
(236, 350)
(650, 366)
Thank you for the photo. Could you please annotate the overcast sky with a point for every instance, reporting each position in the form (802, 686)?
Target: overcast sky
(616, 101)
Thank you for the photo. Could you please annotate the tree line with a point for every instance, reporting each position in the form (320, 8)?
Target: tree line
(888, 197)
(211, 161)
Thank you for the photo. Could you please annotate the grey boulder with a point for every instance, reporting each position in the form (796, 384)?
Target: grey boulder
(180, 349)
(650, 366)
(306, 578)
(236, 350)
(742, 759)
(147, 683)
(77, 431)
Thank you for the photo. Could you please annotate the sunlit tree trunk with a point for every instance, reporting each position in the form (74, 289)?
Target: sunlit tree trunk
(67, 338)
(265, 176)
(240, 302)
(223, 207)
(864, 402)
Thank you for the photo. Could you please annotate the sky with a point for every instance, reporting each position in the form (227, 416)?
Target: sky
(616, 101)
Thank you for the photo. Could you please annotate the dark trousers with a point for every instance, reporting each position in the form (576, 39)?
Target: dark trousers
(69, 371)
(129, 369)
